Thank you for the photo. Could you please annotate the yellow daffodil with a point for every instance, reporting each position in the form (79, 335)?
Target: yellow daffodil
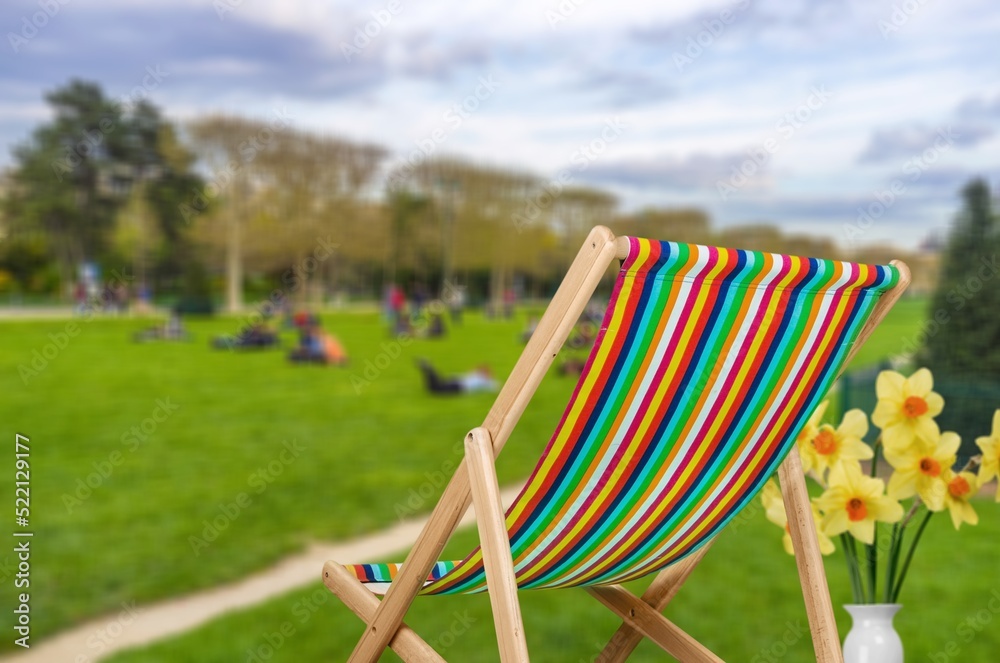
(809, 431)
(961, 486)
(774, 506)
(990, 446)
(828, 446)
(906, 408)
(921, 470)
(853, 503)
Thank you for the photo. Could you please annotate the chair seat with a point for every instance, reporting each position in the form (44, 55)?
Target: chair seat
(705, 367)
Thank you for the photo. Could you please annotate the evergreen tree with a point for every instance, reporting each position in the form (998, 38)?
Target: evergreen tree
(963, 349)
(75, 174)
(65, 183)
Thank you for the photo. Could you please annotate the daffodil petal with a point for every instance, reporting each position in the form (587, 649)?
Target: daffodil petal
(948, 445)
(835, 522)
(926, 429)
(970, 514)
(935, 403)
(897, 437)
(776, 514)
(886, 414)
(808, 456)
(955, 511)
(933, 492)
(902, 484)
(889, 386)
(826, 546)
(854, 448)
(838, 475)
(885, 510)
(921, 383)
(854, 424)
(863, 530)
(787, 540)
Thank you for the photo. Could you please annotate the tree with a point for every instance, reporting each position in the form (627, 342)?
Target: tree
(963, 329)
(407, 211)
(574, 211)
(684, 224)
(281, 194)
(473, 227)
(75, 175)
(164, 173)
(67, 181)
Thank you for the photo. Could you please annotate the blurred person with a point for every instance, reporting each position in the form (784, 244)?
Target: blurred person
(529, 330)
(171, 330)
(259, 335)
(310, 347)
(479, 379)
(80, 297)
(108, 297)
(256, 336)
(397, 302)
(386, 307)
(582, 335)
(571, 367)
(333, 350)
(436, 328)
(144, 299)
(509, 299)
(419, 299)
(455, 299)
(121, 298)
(318, 347)
(174, 329)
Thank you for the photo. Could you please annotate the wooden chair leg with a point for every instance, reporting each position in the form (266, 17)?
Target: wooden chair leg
(640, 616)
(659, 593)
(405, 586)
(410, 646)
(809, 560)
(497, 559)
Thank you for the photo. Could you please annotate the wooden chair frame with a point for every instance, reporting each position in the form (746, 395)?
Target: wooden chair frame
(475, 481)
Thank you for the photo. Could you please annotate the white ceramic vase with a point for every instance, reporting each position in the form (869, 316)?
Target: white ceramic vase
(872, 638)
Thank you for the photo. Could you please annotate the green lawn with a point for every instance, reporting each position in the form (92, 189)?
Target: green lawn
(740, 605)
(902, 324)
(90, 415)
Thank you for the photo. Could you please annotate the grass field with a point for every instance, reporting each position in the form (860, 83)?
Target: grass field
(747, 608)
(135, 447)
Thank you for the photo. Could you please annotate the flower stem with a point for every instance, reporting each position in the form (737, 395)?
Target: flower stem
(912, 512)
(876, 448)
(871, 555)
(909, 555)
(871, 551)
(851, 555)
(890, 566)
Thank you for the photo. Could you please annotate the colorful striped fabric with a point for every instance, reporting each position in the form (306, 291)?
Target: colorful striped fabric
(386, 572)
(708, 363)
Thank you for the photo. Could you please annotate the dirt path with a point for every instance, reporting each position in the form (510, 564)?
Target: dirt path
(101, 637)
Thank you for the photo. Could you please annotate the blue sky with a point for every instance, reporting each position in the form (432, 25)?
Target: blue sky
(827, 107)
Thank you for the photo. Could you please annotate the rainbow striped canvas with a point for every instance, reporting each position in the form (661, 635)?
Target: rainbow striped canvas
(707, 364)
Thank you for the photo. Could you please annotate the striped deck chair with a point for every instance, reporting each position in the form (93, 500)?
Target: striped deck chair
(707, 364)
